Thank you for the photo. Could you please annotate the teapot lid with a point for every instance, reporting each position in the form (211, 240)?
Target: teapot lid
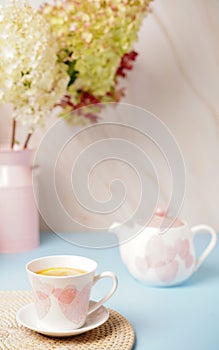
(161, 219)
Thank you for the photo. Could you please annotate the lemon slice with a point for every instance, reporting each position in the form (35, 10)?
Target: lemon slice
(60, 271)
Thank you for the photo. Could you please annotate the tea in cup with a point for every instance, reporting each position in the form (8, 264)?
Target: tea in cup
(62, 286)
(61, 271)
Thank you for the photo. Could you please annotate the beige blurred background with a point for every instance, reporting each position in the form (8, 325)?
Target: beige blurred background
(176, 77)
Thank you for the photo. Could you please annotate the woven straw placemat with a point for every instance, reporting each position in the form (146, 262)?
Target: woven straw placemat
(116, 333)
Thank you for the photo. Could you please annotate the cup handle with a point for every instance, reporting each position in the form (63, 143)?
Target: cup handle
(109, 294)
(206, 252)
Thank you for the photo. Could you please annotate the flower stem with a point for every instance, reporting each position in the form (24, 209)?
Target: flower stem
(13, 133)
(27, 140)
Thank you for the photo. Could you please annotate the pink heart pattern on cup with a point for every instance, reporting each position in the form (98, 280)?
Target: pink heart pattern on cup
(75, 308)
(162, 258)
(72, 302)
(42, 291)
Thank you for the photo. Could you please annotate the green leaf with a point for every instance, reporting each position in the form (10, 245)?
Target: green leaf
(72, 72)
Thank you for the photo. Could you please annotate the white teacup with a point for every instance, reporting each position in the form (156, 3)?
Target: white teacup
(62, 302)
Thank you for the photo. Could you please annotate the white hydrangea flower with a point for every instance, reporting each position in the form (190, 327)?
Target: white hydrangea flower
(31, 77)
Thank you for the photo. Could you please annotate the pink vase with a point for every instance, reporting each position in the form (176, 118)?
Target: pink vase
(19, 219)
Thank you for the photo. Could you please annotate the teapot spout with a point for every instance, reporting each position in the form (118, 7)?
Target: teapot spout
(114, 228)
(121, 231)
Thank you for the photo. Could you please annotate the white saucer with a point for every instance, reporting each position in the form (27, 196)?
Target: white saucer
(27, 317)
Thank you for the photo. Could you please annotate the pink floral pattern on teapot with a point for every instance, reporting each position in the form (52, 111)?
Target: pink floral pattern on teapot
(163, 258)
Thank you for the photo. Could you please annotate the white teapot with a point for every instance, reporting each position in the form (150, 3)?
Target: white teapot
(161, 258)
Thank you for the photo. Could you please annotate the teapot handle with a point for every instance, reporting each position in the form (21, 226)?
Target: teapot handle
(206, 252)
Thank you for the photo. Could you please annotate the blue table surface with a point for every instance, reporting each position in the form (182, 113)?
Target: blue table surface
(177, 318)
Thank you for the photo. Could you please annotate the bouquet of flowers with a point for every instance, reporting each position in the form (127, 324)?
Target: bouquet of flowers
(68, 54)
